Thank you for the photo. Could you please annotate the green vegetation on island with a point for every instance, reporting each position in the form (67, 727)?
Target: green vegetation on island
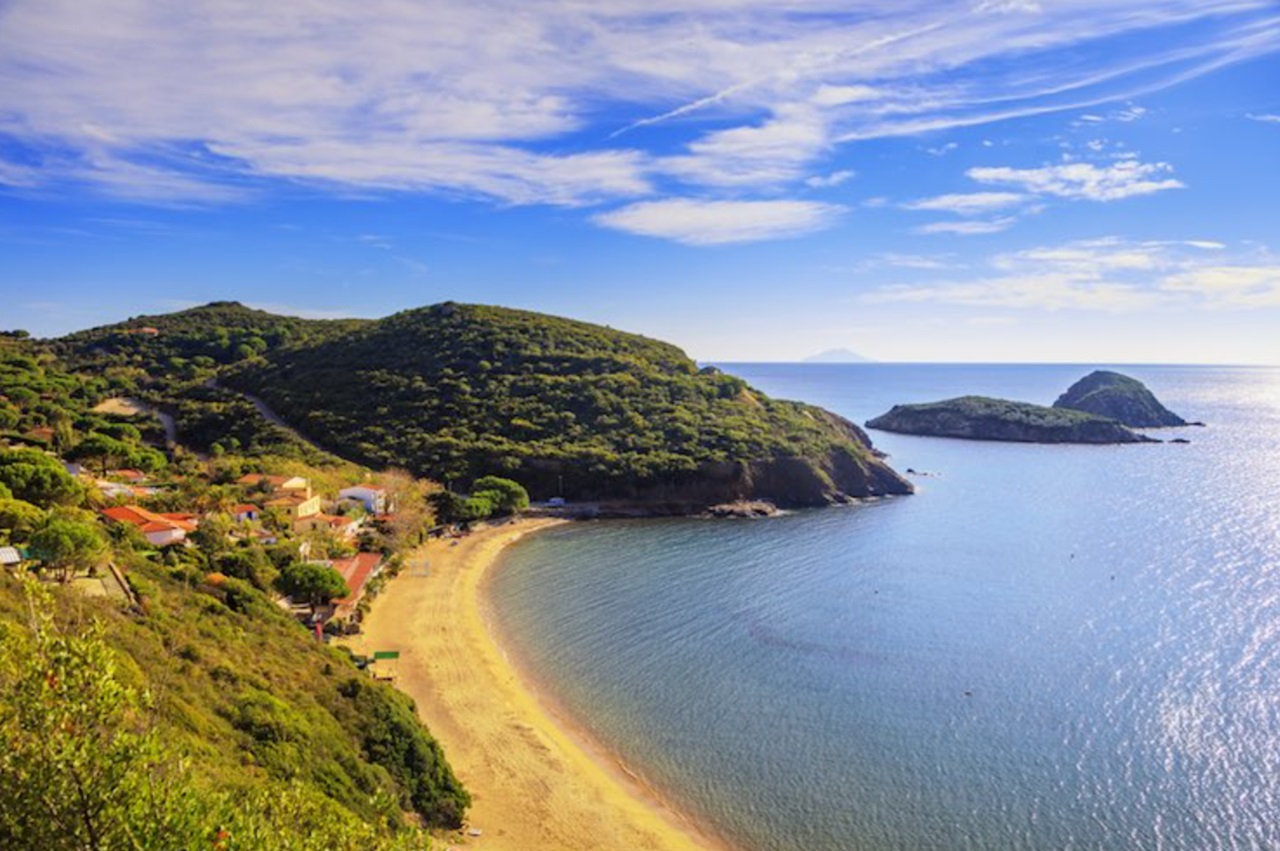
(984, 418)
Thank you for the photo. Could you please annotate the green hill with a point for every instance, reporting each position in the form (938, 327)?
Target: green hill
(457, 391)
(1124, 399)
(172, 361)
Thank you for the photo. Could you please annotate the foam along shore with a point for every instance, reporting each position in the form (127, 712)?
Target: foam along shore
(537, 781)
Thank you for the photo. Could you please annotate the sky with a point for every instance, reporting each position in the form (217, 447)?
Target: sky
(1088, 181)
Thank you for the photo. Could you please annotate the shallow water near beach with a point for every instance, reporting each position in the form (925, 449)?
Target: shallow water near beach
(1047, 647)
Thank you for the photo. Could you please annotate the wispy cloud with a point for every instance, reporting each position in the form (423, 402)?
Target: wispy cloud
(969, 228)
(518, 103)
(1112, 275)
(1084, 181)
(827, 181)
(967, 204)
(695, 222)
(1265, 118)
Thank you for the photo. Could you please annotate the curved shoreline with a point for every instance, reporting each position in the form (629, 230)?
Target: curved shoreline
(538, 781)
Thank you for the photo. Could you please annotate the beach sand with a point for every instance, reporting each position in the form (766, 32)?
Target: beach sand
(536, 781)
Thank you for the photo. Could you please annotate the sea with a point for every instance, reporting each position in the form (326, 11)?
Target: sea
(1046, 647)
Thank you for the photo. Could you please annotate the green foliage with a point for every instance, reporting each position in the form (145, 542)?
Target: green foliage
(37, 478)
(18, 520)
(69, 545)
(392, 737)
(508, 497)
(316, 583)
(84, 768)
(460, 392)
(78, 766)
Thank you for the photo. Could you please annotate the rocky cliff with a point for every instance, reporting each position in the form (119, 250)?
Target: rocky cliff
(1119, 397)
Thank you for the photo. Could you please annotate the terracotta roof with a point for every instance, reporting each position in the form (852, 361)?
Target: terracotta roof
(148, 521)
(356, 570)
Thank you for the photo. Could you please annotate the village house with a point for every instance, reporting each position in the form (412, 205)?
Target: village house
(275, 484)
(246, 513)
(374, 498)
(290, 494)
(297, 505)
(161, 530)
(358, 571)
(344, 528)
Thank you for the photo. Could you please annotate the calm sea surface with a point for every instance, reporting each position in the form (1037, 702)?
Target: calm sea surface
(1047, 647)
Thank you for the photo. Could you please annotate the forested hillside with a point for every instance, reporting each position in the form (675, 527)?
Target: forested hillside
(456, 392)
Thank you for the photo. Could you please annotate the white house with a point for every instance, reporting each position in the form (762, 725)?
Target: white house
(375, 499)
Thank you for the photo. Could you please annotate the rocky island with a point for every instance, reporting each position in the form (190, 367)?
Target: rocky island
(984, 418)
(1118, 397)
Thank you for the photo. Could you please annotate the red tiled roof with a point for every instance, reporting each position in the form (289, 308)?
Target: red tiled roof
(147, 521)
(356, 570)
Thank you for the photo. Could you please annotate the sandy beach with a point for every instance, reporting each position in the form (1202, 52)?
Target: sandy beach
(536, 781)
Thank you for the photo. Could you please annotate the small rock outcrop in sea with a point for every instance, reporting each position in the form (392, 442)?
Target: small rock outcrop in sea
(984, 418)
(1124, 399)
(743, 508)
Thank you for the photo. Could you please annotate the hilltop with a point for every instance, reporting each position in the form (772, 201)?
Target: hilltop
(1119, 397)
(456, 392)
(838, 356)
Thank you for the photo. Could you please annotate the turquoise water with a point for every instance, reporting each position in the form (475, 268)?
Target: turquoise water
(1047, 647)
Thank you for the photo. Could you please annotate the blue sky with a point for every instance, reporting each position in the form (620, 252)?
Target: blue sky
(983, 180)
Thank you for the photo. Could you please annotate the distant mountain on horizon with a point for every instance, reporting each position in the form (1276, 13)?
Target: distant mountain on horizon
(838, 356)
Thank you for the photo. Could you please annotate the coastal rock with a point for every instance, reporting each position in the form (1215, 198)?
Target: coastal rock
(984, 418)
(1119, 397)
(746, 508)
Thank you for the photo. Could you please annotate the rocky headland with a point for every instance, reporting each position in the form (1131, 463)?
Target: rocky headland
(1118, 397)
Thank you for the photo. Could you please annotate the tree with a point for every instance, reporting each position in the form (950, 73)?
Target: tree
(78, 765)
(37, 478)
(83, 769)
(318, 584)
(18, 520)
(68, 545)
(507, 496)
(106, 450)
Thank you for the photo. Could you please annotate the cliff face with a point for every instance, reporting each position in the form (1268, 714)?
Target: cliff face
(981, 418)
(1125, 399)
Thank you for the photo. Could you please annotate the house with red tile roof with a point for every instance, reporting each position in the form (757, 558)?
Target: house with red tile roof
(161, 530)
(357, 570)
(246, 512)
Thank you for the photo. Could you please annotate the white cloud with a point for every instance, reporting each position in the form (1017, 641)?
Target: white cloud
(968, 204)
(826, 181)
(969, 228)
(516, 102)
(1237, 287)
(1112, 275)
(695, 222)
(1084, 181)
(1265, 118)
